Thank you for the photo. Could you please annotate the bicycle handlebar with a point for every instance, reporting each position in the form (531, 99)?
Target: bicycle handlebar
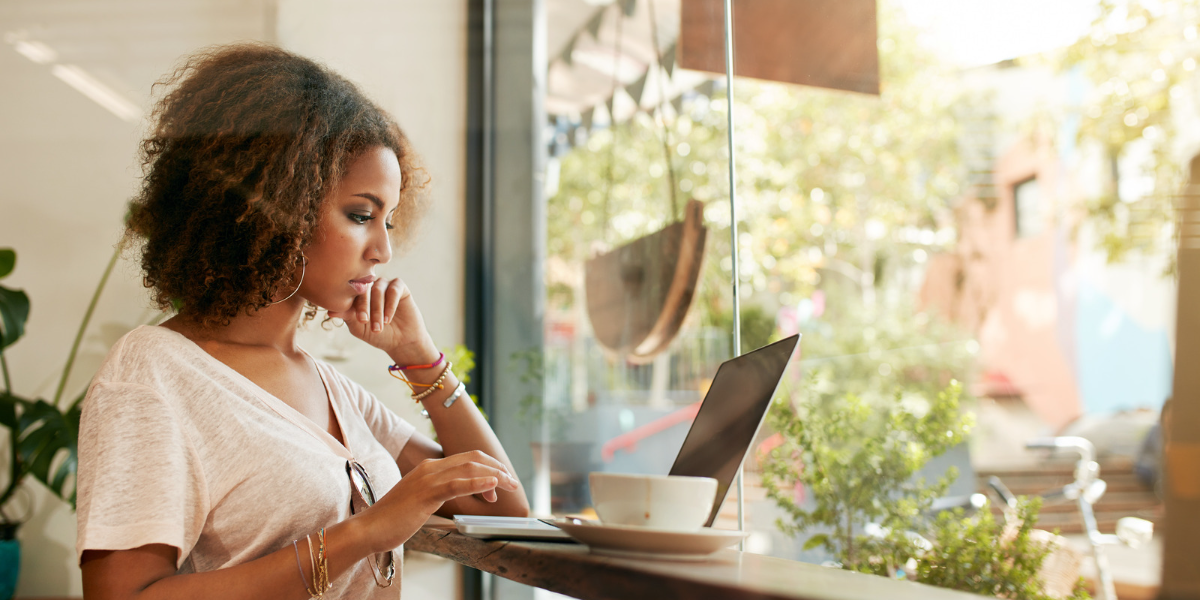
(1002, 491)
(1067, 493)
(1041, 444)
(1083, 447)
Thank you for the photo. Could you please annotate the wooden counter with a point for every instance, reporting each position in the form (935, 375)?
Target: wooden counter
(568, 568)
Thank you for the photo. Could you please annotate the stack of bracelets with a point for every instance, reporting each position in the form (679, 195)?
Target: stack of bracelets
(320, 566)
(397, 372)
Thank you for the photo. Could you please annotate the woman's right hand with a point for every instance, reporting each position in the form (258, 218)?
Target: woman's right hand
(428, 486)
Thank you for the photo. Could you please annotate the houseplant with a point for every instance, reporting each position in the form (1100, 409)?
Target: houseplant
(42, 435)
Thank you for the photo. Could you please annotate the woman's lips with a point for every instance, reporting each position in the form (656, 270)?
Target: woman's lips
(362, 285)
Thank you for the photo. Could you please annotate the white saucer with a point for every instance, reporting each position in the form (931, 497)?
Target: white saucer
(644, 542)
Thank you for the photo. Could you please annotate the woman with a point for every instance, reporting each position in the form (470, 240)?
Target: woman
(217, 458)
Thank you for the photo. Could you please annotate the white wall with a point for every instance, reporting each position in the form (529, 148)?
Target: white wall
(410, 57)
(68, 167)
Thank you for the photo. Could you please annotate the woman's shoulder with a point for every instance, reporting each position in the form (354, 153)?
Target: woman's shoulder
(141, 352)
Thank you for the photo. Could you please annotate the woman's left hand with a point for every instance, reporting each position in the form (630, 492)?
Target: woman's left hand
(387, 317)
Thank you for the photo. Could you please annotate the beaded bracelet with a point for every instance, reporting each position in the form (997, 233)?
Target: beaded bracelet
(413, 385)
(436, 385)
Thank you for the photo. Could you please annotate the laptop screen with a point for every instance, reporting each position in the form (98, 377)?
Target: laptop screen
(730, 415)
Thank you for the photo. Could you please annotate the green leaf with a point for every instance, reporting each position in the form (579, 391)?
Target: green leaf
(14, 311)
(816, 540)
(8, 261)
(44, 434)
(8, 410)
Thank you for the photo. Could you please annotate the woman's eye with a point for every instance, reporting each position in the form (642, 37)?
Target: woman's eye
(361, 219)
(390, 226)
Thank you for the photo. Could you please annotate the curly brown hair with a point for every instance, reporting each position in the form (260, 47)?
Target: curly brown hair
(246, 145)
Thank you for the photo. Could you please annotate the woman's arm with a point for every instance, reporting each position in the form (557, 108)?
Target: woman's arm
(148, 572)
(387, 317)
(461, 428)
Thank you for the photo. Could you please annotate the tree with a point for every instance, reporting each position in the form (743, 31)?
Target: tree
(1138, 57)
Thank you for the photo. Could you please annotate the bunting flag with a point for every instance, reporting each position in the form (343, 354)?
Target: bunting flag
(668, 61)
(569, 50)
(593, 24)
(586, 119)
(707, 88)
(677, 104)
(628, 7)
(636, 88)
(612, 119)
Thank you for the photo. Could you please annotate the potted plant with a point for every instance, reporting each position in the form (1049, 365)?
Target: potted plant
(42, 436)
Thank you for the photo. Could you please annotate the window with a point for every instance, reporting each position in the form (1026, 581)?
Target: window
(1027, 208)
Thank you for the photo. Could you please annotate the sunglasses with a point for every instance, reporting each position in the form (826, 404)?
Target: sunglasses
(362, 496)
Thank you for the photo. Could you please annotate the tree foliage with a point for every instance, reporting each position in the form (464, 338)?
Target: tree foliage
(859, 461)
(982, 555)
(1137, 58)
(861, 464)
(830, 183)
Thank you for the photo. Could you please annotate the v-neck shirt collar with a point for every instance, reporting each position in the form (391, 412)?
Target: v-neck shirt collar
(282, 408)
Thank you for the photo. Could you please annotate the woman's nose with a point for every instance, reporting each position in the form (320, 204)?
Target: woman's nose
(380, 249)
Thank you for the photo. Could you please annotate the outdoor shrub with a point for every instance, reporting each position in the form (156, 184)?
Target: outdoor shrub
(859, 463)
(982, 555)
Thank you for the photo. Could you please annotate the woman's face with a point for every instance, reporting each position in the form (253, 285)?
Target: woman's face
(352, 237)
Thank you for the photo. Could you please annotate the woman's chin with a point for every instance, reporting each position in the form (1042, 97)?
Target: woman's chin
(335, 307)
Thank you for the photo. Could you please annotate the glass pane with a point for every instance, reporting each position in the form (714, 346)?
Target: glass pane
(638, 307)
(997, 213)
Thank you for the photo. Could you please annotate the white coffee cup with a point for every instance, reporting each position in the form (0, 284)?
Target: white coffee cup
(656, 501)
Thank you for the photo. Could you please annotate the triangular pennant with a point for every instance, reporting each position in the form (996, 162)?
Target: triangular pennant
(677, 104)
(569, 50)
(593, 24)
(612, 119)
(587, 117)
(636, 88)
(668, 61)
(628, 7)
(706, 88)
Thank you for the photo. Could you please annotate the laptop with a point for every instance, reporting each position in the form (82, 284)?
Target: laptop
(715, 446)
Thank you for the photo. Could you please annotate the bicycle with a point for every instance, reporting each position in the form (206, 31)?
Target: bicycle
(1086, 489)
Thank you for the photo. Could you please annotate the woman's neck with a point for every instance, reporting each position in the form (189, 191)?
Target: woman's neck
(272, 326)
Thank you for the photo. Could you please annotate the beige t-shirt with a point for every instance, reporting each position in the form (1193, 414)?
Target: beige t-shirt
(177, 448)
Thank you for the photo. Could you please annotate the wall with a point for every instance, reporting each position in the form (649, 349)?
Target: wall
(68, 168)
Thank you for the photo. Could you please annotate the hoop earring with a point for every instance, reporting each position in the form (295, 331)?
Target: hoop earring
(303, 268)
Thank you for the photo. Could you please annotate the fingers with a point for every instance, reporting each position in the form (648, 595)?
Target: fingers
(482, 486)
(377, 293)
(361, 308)
(506, 480)
(395, 293)
(465, 474)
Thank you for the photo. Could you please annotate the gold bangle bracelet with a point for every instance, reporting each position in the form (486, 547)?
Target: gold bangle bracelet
(323, 562)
